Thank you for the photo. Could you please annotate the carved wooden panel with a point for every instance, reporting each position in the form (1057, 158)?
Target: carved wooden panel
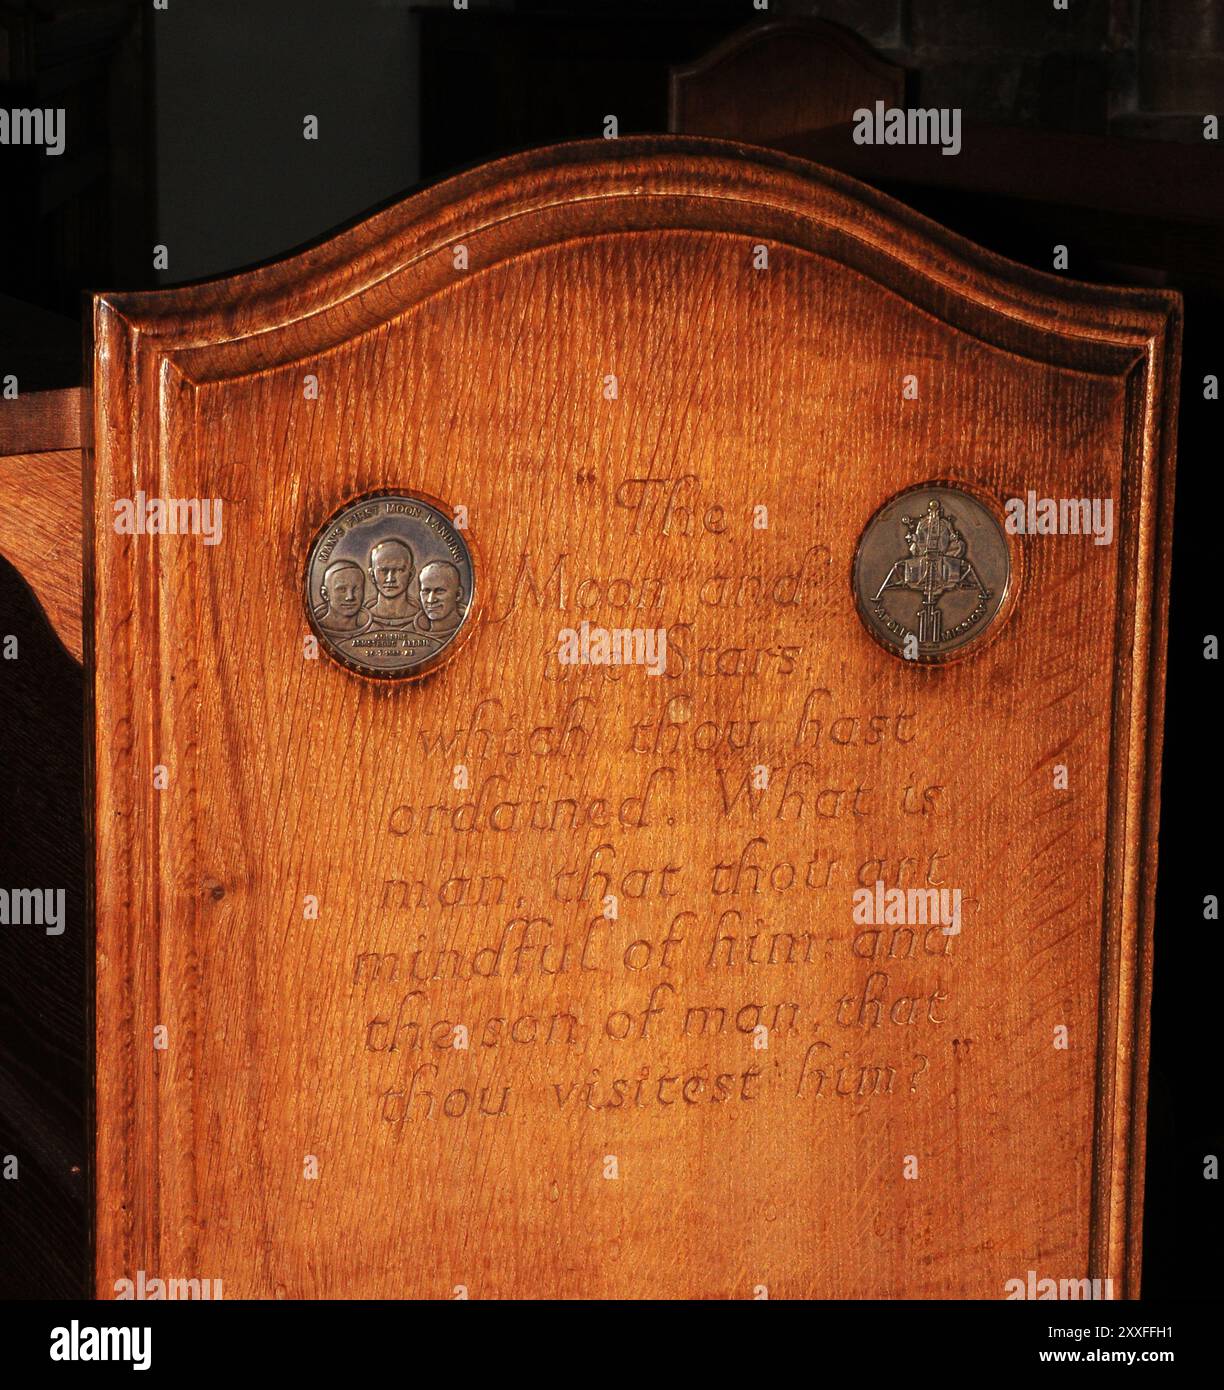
(588, 1006)
(772, 82)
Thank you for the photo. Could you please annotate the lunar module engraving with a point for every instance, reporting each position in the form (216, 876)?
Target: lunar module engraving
(936, 564)
(949, 584)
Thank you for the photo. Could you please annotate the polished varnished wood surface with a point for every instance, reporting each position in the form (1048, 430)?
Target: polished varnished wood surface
(48, 421)
(296, 1044)
(41, 532)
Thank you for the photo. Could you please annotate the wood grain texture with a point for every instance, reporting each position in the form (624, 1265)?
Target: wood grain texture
(41, 534)
(41, 420)
(291, 1038)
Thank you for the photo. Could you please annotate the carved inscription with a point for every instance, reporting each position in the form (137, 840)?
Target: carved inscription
(808, 958)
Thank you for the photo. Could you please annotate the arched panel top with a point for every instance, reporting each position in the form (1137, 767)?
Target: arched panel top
(772, 82)
(365, 276)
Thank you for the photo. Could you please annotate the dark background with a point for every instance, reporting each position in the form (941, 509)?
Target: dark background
(185, 129)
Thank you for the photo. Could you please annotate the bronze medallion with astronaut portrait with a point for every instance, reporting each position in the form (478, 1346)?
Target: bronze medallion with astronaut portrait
(390, 585)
